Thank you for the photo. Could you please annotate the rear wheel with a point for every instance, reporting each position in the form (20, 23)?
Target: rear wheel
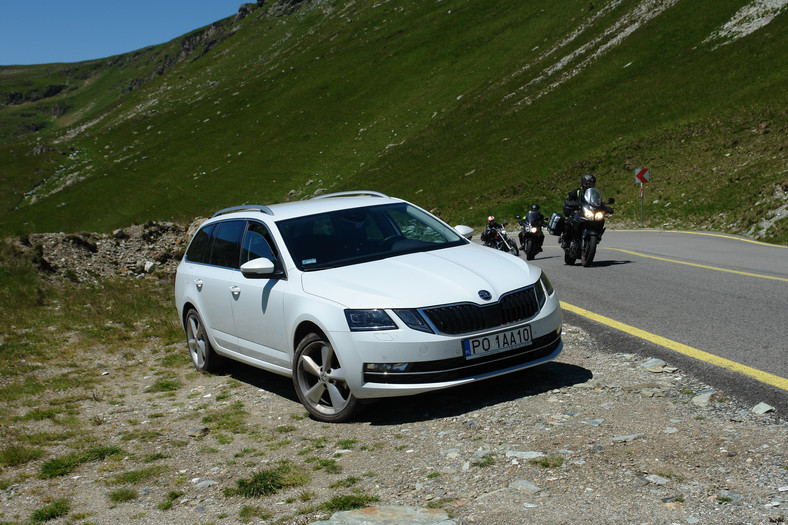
(200, 349)
(319, 381)
(589, 251)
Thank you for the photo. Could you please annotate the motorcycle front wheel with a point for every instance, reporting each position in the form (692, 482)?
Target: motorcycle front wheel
(567, 259)
(589, 251)
(514, 251)
(530, 249)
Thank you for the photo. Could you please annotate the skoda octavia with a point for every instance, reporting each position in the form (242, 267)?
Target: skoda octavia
(358, 295)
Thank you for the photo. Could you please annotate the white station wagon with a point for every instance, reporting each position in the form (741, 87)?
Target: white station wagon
(357, 295)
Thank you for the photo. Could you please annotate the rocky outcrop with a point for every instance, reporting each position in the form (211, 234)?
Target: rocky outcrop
(150, 249)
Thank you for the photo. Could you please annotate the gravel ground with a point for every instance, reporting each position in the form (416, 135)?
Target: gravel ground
(595, 437)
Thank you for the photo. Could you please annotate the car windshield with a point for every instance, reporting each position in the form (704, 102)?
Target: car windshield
(351, 236)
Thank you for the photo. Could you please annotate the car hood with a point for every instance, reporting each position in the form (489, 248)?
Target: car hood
(423, 279)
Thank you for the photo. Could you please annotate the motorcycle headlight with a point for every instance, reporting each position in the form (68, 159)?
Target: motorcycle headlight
(599, 215)
(369, 320)
(534, 229)
(588, 213)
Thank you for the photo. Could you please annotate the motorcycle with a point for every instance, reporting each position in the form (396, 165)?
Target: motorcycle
(531, 236)
(585, 228)
(499, 239)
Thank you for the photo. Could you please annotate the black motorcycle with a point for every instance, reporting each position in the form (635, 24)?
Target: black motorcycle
(531, 236)
(498, 238)
(584, 228)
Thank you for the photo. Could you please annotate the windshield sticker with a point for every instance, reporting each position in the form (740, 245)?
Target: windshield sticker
(308, 261)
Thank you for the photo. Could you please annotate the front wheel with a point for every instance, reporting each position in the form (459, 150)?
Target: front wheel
(589, 251)
(320, 383)
(530, 249)
(568, 259)
(514, 250)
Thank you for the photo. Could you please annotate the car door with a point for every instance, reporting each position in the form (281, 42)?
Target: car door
(258, 302)
(213, 281)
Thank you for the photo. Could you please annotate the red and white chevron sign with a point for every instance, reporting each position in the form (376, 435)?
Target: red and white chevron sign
(641, 175)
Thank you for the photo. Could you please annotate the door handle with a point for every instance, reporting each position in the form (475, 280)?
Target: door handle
(198, 283)
(235, 290)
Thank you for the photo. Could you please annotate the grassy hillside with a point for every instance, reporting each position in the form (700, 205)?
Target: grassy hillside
(466, 107)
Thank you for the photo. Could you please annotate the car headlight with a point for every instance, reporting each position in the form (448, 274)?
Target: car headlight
(413, 319)
(369, 320)
(546, 284)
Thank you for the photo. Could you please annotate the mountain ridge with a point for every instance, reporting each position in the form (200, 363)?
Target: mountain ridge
(464, 107)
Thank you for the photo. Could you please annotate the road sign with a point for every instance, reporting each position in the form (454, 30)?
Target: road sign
(641, 175)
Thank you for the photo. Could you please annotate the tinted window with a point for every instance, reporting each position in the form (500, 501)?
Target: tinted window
(227, 244)
(363, 234)
(197, 249)
(257, 243)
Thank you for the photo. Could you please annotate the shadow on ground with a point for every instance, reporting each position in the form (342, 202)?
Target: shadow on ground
(451, 402)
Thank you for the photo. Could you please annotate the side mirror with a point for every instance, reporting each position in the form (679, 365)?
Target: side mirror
(611, 200)
(257, 267)
(465, 231)
(518, 217)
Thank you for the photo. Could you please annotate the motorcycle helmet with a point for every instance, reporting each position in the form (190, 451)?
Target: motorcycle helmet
(535, 207)
(588, 181)
(490, 219)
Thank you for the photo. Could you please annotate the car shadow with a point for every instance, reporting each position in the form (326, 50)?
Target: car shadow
(464, 399)
(451, 402)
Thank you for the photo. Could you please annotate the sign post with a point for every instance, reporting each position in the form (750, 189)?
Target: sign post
(642, 176)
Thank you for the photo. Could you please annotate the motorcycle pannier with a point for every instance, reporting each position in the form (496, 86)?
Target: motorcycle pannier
(556, 224)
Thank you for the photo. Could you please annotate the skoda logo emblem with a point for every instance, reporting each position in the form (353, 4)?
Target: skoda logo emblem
(484, 294)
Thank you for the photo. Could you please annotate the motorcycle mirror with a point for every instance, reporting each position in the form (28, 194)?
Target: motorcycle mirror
(505, 222)
(517, 217)
(611, 200)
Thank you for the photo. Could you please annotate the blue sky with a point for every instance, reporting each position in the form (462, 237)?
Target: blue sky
(45, 31)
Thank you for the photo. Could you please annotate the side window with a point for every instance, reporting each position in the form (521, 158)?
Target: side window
(257, 243)
(227, 244)
(197, 249)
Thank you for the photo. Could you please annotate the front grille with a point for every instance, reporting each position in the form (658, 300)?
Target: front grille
(461, 368)
(464, 318)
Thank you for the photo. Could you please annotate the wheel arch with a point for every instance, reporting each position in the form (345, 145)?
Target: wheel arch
(304, 328)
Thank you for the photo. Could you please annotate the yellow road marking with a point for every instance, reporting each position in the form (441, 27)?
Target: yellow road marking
(707, 234)
(696, 265)
(763, 377)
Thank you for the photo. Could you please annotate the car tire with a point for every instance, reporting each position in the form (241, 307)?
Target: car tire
(202, 353)
(319, 381)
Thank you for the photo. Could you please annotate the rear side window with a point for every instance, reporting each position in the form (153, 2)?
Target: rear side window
(227, 244)
(198, 251)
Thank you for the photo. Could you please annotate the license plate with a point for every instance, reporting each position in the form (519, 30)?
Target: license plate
(497, 342)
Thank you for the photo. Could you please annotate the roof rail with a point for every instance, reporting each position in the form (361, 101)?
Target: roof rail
(352, 193)
(245, 207)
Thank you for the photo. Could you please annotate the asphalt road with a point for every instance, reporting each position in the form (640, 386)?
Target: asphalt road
(714, 295)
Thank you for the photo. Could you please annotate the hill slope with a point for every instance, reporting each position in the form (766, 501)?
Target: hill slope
(466, 107)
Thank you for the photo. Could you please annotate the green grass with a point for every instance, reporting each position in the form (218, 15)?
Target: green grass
(51, 511)
(64, 465)
(283, 107)
(270, 481)
(348, 502)
(123, 494)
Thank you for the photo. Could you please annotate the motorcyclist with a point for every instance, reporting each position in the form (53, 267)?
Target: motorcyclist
(488, 235)
(534, 217)
(572, 203)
